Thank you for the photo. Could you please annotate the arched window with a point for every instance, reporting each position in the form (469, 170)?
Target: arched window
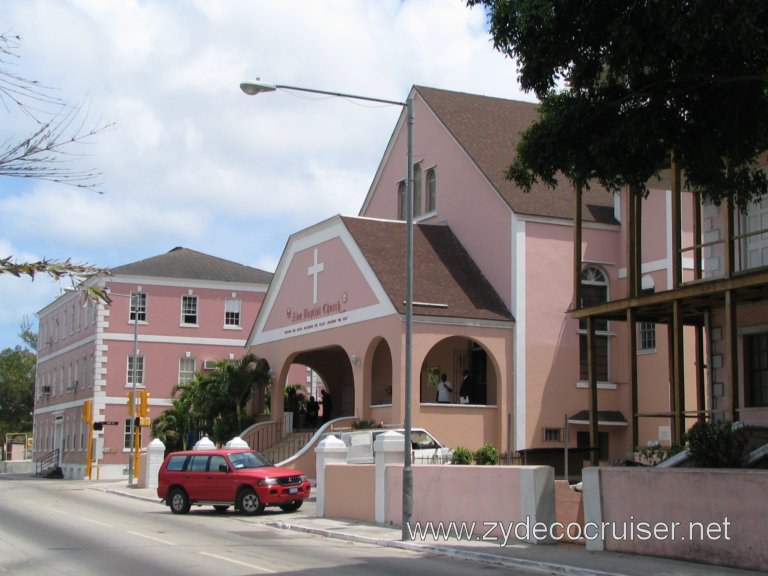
(417, 190)
(431, 190)
(594, 291)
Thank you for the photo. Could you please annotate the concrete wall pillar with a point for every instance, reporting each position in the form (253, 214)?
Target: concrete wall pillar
(330, 451)
(389, 448)
(593, 507)
(537, 497)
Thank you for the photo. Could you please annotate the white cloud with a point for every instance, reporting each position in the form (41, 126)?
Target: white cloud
(192, 161)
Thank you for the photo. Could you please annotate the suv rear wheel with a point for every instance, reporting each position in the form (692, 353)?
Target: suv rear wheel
(248, 502)
(178, 501)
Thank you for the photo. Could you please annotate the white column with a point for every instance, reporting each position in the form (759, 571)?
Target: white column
(330, 451)
(389, 448)
(153, 461)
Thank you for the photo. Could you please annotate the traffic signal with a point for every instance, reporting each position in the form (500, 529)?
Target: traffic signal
(98, 425)
(131, 404)
(144, 403)
(87, 405)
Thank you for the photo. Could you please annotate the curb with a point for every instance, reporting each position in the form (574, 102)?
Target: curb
(129, 495)
(484, 557)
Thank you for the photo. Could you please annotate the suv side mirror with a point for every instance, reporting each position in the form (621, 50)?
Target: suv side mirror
(223, 468)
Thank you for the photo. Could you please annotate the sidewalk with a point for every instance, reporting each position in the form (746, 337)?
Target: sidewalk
(564, 559)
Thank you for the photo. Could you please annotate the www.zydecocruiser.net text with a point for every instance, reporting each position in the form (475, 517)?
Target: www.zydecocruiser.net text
(527, 530)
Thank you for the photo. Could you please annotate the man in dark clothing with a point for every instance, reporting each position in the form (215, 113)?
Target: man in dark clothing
(327, 404)
(465, 392)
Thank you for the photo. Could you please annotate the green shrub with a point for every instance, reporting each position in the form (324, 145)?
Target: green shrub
(487, 456)
(461, 455)
(717, 445)
(364, 425)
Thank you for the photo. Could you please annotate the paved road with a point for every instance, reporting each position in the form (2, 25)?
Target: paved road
(66, 527)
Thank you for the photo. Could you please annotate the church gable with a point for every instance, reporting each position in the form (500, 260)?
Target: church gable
(322, 282)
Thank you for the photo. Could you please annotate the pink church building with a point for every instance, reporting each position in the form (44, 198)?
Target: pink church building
(183, 310)
(493, 291)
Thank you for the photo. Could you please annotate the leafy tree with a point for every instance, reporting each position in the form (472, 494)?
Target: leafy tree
(623, 85)
(27, 334)
(718, 445)
(17, 386)
(44, 154)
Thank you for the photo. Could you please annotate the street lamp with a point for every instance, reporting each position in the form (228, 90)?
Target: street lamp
(257, 87)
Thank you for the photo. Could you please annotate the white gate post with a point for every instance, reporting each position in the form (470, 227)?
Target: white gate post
(330, 451)
(389, 448)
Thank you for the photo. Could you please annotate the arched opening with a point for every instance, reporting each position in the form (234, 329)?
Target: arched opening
(467, 367)
(381, 374)
(334, 368)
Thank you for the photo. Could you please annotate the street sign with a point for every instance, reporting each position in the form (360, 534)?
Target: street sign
(111, 423)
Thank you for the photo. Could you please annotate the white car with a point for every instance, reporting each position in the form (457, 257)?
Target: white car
(426, 449)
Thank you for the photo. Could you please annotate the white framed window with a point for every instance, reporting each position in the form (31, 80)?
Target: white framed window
(138, 310)
(186, 370)
(431, 190)
(139, 370)
(647, 340)
(232, 312)
(127, 435)
(189, 309)
(647, 330)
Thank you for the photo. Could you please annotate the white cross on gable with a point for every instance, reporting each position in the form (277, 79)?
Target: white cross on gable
(313, 271)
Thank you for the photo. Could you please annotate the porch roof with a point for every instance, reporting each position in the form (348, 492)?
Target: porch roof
(446, 280)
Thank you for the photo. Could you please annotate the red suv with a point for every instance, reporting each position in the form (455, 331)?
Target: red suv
(226, 477)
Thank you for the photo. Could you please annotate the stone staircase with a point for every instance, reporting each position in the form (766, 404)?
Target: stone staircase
(288, 446)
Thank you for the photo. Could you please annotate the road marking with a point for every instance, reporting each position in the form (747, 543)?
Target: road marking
(92, 521)
(246, 564)
(148, 537)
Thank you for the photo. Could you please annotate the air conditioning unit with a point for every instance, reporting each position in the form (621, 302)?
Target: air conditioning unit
(46, 389)
(209, 365)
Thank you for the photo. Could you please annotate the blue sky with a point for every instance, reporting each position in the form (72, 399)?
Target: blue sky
(191, 161)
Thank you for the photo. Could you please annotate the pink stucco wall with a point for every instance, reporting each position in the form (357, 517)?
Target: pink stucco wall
(569, 509)
(350, 493)
(498, 494)
(728, 504)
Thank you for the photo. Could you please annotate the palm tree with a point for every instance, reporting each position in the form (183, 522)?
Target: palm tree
(173, 425)
(215, 402)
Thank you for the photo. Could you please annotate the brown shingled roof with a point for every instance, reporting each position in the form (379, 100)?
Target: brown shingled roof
(488, 129)
(445, 276)
(193, 265)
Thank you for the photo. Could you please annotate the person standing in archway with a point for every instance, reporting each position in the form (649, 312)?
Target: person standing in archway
(465, 392)
(327, 403)
(313, 407)
(444, 390)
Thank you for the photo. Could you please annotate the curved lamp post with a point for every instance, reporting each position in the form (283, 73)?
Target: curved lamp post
(257, 87)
